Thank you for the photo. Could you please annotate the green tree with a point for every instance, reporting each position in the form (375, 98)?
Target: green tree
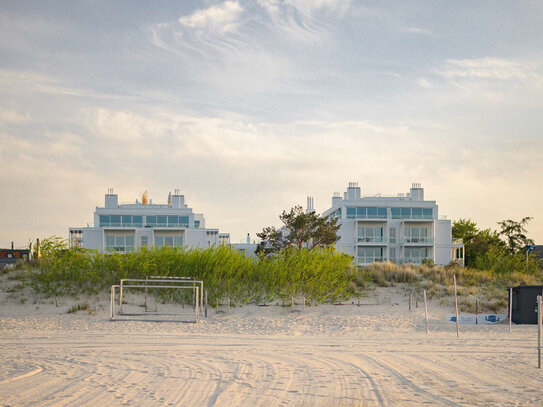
(514, 234)
(299, 230)
(476, 242)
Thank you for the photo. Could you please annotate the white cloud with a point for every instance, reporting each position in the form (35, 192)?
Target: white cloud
(221, 18)
(492, 69)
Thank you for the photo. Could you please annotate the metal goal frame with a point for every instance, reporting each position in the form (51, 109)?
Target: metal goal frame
(112, 307)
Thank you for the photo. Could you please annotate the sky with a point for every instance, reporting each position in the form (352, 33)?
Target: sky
(248, 107)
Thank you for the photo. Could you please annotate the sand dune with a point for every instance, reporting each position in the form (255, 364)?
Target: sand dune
(326, 356)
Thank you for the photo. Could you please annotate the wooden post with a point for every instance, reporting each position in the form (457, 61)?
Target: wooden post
(476, 310)
(228, 304)
(456, 308)
(510, 307)
(539, 310)
(304, 302)
(410, 300)
(426, 312)
(205, 309)
(292, 303)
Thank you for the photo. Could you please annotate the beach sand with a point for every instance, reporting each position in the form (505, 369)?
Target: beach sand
(375, 354)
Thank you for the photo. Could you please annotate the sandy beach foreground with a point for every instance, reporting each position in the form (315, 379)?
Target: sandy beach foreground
(376, 354)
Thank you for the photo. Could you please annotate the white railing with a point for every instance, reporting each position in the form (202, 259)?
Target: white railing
(370, 259)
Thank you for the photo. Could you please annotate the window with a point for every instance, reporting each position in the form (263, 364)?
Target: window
(196, 224)
(416, 235)
(405, 213)
(168, 241)
(104, 220)
(395, 213)
(184, 221)
(372, 213)
(361, 213)
(173, 220)
(370, 254)
(151, 220)
(127, 220)
(351, 213)
(382, 213)
(161, 221)
(178, 241)
(392, 254)
(144, 241)
(392, 234)
(370, 234)
(427, 213)
(119, 243)
(137, 221)
(159, 241)
(115, 220)
(417, 213)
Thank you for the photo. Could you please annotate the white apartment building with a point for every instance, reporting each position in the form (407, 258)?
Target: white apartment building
(404, 228)
(129, 226)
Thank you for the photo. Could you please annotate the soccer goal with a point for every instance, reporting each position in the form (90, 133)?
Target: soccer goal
(185, 295)
(175, 280)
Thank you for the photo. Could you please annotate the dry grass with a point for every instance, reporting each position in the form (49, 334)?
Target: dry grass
(477, 289)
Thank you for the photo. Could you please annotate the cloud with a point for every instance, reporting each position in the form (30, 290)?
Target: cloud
(221, 18)
(492, 69)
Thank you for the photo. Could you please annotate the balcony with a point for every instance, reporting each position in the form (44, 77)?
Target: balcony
(413, 260)
(119, 248)
(418, 240)
(457, 241)
(371, 239)
(369, 260)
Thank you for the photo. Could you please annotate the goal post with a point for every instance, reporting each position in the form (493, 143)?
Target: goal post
(113, 310)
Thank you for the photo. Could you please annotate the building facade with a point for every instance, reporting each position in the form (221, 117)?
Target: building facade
(130, 226)
(404, 228)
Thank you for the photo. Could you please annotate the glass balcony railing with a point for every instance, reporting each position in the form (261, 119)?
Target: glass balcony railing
(371, 239)
(369, 259)
(119, 248)
(418, 240)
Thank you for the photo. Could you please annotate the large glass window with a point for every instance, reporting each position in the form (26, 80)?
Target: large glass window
(416, 213)
(427, 213)
(151, 220)
(370, 254)
(395, 213)
(104, 220)
(137, 221)
(361, 213)
(370, 234)
(405, 213)
(178, 241)
(184, 221)
(173, 220)
(382, 213)
(119, 243)
(161, 221)
(115, 220)
(351, 213)
(196, 224)
(416, 235)
(372, 213)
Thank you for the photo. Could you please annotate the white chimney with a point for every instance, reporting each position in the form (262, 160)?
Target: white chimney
(353, 191)
(112, 200)
(417, 192)
(336, 198)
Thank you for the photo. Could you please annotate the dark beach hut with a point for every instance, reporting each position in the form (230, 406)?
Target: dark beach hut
(525, 303)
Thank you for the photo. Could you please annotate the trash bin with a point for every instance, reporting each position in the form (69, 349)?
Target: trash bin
(525, 303)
